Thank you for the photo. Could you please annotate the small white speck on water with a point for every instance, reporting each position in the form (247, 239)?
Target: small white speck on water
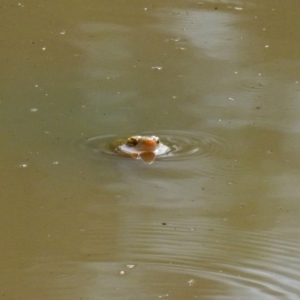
(55, 163)
(44, 48)
(122, 272)
(267, 46)
(63, 32)
(163, 296)
(23, 166)
(175, 39)
(231, 99)
(33, 109)
(130, 266)
(191, 282)
(157, 68)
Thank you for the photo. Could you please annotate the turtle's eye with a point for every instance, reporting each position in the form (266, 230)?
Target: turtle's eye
(156, 139)
(132, 141)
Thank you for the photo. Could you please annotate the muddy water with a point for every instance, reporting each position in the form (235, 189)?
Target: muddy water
(218, 80)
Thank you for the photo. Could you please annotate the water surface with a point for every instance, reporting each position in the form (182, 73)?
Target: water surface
(219, 219)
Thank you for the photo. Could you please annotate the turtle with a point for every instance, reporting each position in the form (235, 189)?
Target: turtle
(145, 148)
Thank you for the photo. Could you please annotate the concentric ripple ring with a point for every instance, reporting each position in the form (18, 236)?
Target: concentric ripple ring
(181, 145)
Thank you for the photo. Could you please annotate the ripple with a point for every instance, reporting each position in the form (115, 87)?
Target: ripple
(211, 261)
(252, 83)
(239, 263)
(201, 152)
(182, 145)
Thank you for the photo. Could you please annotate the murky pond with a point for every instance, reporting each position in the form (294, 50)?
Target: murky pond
(216, 216)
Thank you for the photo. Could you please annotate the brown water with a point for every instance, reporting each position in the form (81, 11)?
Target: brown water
(218, 80)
